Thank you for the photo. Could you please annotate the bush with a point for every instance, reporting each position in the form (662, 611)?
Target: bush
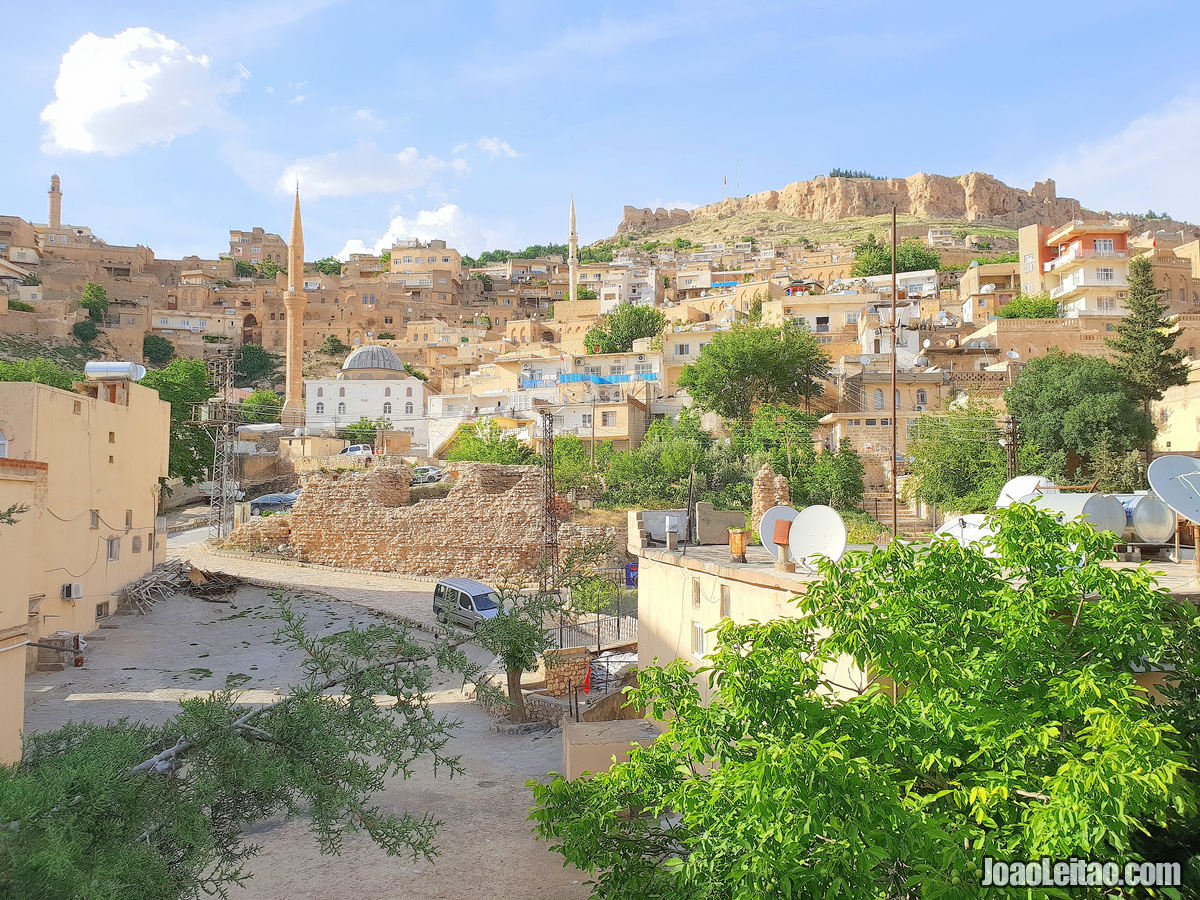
(252, 364)
(334, 347)
(157, 350)
(386, 335)
(20, 306)
(86, 331)
(95, 300)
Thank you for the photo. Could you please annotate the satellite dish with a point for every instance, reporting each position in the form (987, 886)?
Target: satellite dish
(1012, 354)
(1176, 479)
(921, 361)
(1102, 511)
(951, 344)
(926, 343)
(1023, 486)
(818, 531)
(865, 360)
(766, 526)
(967, 530)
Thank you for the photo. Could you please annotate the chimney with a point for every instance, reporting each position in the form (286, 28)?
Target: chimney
(55, 202)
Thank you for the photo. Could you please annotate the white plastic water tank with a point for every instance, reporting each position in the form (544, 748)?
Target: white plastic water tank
(1147, 519)
(99, 370)
(1102, 511)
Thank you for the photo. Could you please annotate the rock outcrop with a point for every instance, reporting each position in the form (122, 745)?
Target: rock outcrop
(974, 197)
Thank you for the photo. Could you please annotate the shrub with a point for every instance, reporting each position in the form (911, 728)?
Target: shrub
(86, 331)
(157, 350)
(20, 306)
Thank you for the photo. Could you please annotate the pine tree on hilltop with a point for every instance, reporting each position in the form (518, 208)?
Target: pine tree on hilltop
(1145, 341)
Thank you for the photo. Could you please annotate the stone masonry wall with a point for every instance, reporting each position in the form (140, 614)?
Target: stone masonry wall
(769, 490)
(489, 523)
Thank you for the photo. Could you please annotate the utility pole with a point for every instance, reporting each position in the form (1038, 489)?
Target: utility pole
(1010, 445)
(220, 421)
(895, 334)
(549, 513)
(593, 448)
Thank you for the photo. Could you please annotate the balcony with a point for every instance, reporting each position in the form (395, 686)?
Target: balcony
(1087, 283)
(1075, 254)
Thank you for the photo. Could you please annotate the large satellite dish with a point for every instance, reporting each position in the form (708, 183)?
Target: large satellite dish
(967, 530)
(1176, 479)
(766, 526)
(816, 532)
(1023, 486)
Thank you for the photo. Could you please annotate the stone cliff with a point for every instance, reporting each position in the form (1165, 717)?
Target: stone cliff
(974, 197)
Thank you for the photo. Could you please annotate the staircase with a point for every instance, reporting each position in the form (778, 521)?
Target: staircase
(879, 505)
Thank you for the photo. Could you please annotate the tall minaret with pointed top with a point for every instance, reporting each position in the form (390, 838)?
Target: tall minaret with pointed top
(572, 256)
(55, 193)
(294, 302)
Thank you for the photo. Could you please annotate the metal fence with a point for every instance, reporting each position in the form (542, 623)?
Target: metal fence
(597, 631)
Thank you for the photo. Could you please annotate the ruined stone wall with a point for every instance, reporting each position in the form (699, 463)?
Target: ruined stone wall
(768, 490)
(489, 522)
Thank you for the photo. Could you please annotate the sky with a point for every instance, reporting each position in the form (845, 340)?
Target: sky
(474, 122)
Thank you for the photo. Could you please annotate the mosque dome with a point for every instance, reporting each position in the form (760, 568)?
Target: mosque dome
(373, 356)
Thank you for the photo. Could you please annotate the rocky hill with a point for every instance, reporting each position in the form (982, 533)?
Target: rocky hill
(974, 197)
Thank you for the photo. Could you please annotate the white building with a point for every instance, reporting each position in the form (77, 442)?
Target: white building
(372, 384)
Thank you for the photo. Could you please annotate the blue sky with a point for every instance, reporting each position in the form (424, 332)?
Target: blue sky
(171, 123)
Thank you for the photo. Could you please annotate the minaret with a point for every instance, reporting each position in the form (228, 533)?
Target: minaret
(55, 193)
(572, 256)
(294, 301)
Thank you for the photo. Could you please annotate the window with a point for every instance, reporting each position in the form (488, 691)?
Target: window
(78, 408)
(387, 409)
(341, 392)
(387, 320)
(128, 519)
(695, 593)
(697, 639)
(408, 409)
(1103, 245)
(112, 437)
(102, 610)
(683, 350)
(921, 396)
(320, 408)
(341, 409)
(387, 392)
(851, 318)
(114, 549)
(878, 398)
(464, 601)
(1028, 263)
(137, 543)
(1105, 275)
(320, 392)
(726, 602)
(408, 392)
(408, 259)
(95, 513)
(982, 302)
(608, 419)
(3, 445)
(587, 420)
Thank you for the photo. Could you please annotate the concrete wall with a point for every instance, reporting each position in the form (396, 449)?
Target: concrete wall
(592, 746)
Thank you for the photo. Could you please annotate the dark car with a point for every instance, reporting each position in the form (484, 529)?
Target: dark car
(273, 503)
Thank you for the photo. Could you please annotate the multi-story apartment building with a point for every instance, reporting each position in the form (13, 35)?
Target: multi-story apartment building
(1084, 266)
(985, 289)
(256, 246)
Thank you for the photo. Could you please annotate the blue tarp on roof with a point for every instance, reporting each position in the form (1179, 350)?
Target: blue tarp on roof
(577, 377)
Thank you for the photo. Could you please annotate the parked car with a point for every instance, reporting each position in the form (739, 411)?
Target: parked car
(358, 450)
(233, 490)
(427, 474)
(464, 602)
(273, 503)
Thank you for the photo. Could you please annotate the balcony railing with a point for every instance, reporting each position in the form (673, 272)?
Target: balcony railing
(1082, 253)
(1076, 284)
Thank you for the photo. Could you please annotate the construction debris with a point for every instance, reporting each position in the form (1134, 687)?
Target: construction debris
(176, 577)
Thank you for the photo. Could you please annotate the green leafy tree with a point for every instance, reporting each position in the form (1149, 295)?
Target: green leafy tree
(184, 383)
(268, 268)
(485, 321)
(327, 265)
(1029, 306)
(386, 335)
(573, 467)
(86, 331)
(30, 279)
(483, 441)
(412, 370)
(1077, 403)
(616, 331)
(262, 406)
(95, 300)
(40, 370)
(1145, 341)
(364, 431)
(873, 258)
(583, 292)
(386, 258)
(19, 305)
(596, 253)
(334, 346)
(835, 478)
(157, 350)
(749, 365)
(161, 811)
(780, 434)
(252, 364)
(683, 244)
(1017, 731)
(243, 268)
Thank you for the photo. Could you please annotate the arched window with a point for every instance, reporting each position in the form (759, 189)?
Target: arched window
(387, 392)
(879, 398)
(921, 396)
(387, 409)
(3, 445)
(320, 392)
(408, 392)
(408, 409)
(341, 392)
(320, 408)
(341, 409)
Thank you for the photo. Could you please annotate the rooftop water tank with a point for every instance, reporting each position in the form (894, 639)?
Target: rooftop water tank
(1147, 519)
(113, 371)
(1102, 511)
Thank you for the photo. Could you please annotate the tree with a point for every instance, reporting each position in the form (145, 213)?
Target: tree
(184, 383)
(483, 441)
(262, 406)
(159, 811)
(40, 370)
(386, 258)
(30, 279)
(1077, 403)
(412, 370)
(1029, 306)
(873, 258)
(835, 478)
(252, 364)
(333, 346)
(1018, 732)
(86, 331)
(583, 292)
(19, 305)
(364, 430)
(749, 365)
(268, 268)
(1145, 341)
(157, 350)
(327, 265)
(573, 467)
(243, 268)
(95, 300)
(386, 335)
(616, 331)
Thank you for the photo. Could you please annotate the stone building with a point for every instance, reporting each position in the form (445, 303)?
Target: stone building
(372, 384)
(256, 246)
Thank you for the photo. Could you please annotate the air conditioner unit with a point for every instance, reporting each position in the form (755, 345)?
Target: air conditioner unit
(72, 590)
(920, 407)
(641, 357)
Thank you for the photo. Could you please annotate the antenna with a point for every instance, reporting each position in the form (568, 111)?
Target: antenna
(766, 527)
(818, 531)
(1176, 479)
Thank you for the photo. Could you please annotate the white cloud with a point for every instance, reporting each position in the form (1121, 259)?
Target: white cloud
(299, 98)
(448, 222)
(365, 169)
(1144, 165)
(459, 148)
(137, 87)
(495, 147)
(367, 117)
